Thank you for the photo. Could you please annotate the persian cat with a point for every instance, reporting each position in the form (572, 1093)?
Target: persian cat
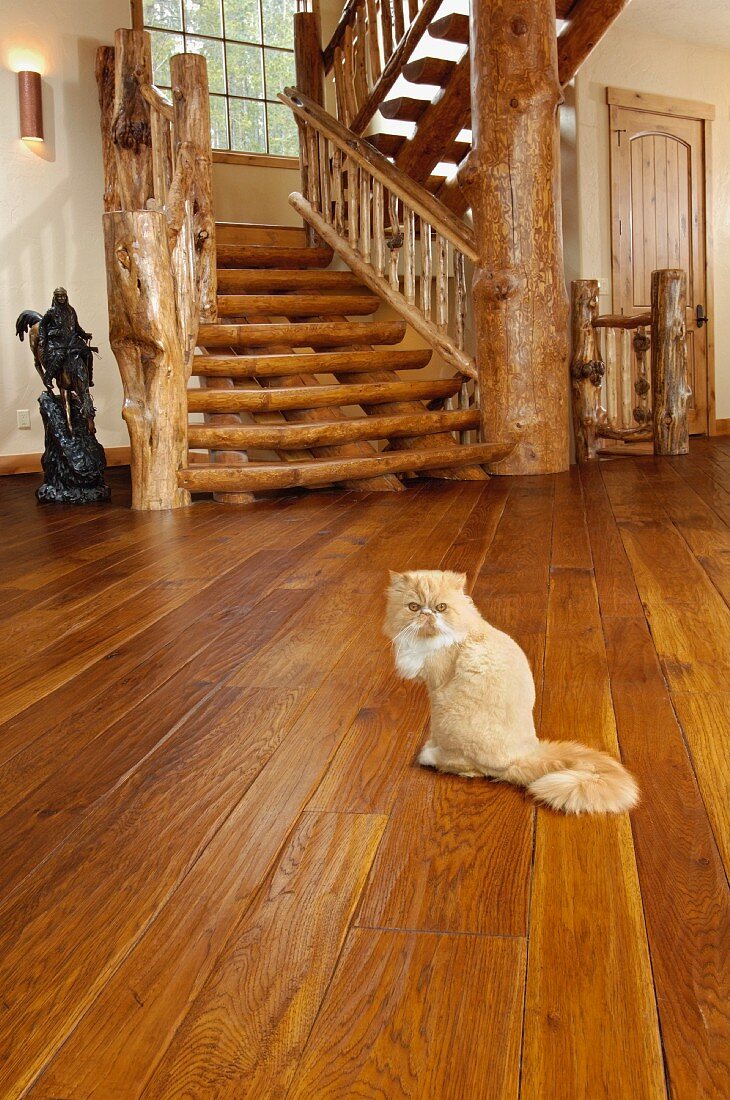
(482, 694)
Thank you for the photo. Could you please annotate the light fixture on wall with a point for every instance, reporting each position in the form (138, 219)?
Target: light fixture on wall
(31, 105)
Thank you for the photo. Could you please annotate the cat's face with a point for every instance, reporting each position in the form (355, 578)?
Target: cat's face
(427, 603)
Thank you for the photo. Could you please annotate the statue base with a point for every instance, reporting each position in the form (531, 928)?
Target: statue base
(73, 465)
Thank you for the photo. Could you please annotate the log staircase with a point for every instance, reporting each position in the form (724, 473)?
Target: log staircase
(301, 380)
(296, 343)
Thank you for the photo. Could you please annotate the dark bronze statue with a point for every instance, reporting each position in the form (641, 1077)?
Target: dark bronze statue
(74, 460)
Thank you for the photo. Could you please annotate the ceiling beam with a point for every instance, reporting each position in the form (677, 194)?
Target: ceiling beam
(589, 21)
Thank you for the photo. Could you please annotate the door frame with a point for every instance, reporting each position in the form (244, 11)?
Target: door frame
(705, 114)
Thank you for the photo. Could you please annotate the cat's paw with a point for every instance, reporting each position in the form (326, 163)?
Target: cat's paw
(428, 756)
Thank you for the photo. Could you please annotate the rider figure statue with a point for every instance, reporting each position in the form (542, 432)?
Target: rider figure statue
(59, 332)
(74, 460)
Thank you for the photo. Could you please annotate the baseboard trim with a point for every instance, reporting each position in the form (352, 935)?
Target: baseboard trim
(31, 463)
(722, 427)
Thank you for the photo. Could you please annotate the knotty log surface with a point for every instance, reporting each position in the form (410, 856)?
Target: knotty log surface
(511, 178)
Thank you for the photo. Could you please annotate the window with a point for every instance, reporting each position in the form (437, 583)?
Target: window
(249, 46)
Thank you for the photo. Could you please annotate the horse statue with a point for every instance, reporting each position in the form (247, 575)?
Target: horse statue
(62, 353)
(73, 460)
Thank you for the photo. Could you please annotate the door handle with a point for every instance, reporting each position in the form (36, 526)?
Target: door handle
(702, 318)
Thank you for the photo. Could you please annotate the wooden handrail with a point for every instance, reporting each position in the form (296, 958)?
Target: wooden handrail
(157, 100)
(620, 320)
(358, 149)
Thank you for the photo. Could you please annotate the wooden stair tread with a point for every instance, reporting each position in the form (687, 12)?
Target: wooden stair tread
(403, 108)
(387, 144)
(429, 70)
(329, 362)
(328, 433)
(248, 234)
(308, 397)
(307, 334)
(231, 255)
(297, 305)
(452, 28)
(260, 476)
(232, 280)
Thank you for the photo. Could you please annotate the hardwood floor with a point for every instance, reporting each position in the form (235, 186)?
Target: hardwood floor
(221, 874)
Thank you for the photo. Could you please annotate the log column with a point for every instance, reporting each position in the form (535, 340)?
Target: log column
(586, 368)
(511, 179)
(670, 389)
(131, 131)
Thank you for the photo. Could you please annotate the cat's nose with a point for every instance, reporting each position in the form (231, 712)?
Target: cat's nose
(427, 611)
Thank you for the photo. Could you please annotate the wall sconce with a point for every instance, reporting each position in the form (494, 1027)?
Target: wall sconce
(31, 105)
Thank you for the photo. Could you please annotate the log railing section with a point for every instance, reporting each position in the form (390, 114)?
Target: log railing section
(615, 397)
(159, 233)
(372, 42)
(388, 230)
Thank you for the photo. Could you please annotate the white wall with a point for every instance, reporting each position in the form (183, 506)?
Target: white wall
(51, 201)
(643, 62)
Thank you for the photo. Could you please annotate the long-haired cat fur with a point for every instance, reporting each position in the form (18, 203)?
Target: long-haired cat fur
(482, 694)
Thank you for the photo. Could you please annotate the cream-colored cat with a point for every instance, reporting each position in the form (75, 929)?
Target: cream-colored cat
(482, 694)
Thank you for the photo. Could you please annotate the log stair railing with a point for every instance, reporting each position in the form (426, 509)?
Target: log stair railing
(615, 398)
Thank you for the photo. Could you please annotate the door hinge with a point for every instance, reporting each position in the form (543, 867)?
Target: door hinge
(620, 227)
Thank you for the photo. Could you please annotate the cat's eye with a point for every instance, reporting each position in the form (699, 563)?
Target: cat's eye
(441, 606)
(414, 607)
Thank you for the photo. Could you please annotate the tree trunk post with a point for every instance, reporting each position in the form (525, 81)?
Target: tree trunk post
(309, 75)
(670, 388)
(586, 368)
(511, 179)
(191, 123)
(144, 335)
(131, 130)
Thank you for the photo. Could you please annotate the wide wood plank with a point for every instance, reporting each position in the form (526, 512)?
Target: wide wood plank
(414, 1016)
(591, 1022)
(259, 1004)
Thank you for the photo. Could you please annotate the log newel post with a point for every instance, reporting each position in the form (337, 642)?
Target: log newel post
(145, 339)
(670, 387)
(309, 75)
(586, 367)
(511, 179)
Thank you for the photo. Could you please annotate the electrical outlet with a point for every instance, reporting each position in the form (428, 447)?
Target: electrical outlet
(23, 418)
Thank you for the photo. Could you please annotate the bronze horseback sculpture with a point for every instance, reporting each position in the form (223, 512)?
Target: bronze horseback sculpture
(73, 460)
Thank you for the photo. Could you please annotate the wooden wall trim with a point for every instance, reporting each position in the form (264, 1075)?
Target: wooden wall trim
(254, 160)
(661, 104)
(31, 463)
(721, 426)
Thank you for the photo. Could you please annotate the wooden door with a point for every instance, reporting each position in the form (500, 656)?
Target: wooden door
(658, 221)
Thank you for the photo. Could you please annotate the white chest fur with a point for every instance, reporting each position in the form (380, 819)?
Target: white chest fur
(411, 656)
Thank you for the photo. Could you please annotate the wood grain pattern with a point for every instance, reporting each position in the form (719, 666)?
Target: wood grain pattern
(258, 1024)
(585, 867)
(399, 1007)
(178, 807)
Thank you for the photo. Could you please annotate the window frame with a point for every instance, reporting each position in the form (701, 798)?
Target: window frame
(231, 156)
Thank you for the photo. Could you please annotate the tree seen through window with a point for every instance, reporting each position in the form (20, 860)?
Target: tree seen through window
(249, 47)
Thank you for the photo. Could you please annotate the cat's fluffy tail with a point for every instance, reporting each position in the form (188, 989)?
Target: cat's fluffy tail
(575, 779)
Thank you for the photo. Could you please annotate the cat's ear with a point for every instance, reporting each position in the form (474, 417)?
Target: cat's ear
(459, 579)
(397, 580)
